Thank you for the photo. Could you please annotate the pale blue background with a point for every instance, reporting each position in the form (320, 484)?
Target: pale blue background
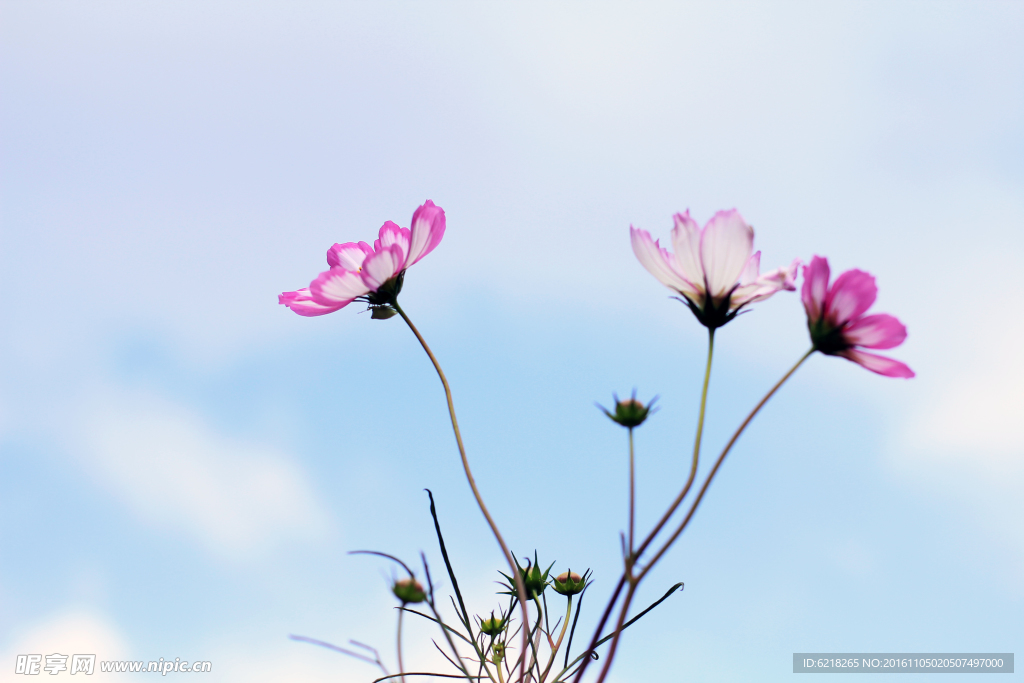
(184, 463)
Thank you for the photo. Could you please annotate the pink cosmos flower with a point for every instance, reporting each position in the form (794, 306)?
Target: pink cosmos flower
(374, 274)
(712, 268)
(835, 317)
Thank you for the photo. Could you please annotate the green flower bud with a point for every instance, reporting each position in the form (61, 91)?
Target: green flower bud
(408, 591)
(629, 412)
(492, 626)
(570, 583)
(533, 579)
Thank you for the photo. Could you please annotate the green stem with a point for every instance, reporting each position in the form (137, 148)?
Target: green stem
(721, 458)
(632, 497)
(696, 451)
(558, 643)
(401, 666)
(535, 641)
(627, 575)
(520, 586)
(697, 500)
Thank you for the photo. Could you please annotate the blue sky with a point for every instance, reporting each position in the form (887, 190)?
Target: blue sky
(184, 464)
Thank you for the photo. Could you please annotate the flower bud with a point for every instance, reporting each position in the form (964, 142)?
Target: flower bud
(570, 583)
(629, 412)
(408, 591)
(492, 626)
(534, 581)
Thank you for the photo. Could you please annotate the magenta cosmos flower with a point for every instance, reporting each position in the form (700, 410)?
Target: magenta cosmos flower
(712, 268)
(835, 317)
(375, 274)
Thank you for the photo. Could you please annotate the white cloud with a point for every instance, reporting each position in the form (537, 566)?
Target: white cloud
(173, 470)
(84, 633)
(67, 634)
(979, 415)
(973, 411)
(965, 441)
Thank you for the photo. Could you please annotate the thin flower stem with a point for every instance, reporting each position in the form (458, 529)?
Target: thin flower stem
(520, 586)
(482, 656)
(696, 451)
(558, 643)
(445, 629)
(535, 658)
(627, 575)
(588, 653)
(632, 498)
(596, 639)
(401, 666)
(718, 463)
(693, 507)
(618, 632)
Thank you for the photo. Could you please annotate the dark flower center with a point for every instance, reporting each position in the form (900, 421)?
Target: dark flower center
(713, 315)
(828, 339)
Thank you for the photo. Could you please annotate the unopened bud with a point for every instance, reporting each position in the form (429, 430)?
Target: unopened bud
(408, 591)
(629, 412)
(492, 626)
(570, 583)
(534, 580)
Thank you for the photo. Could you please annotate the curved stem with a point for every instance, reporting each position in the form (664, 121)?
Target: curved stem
(481, 652)
(482, 656)
(700, 495)
(721, 458)
(587, 654)
(696, 451)
(618, 632)
(401, 666)
(596, 639)
(558, 643)
(627, 575)
(535, 641)
(520, 587)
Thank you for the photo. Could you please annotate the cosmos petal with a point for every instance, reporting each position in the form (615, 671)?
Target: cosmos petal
(815, 288)
(426, 231)
(850, 296)
(349, 255)
(725, 247)
(888, 367)
(879, 331)
(302, 303)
